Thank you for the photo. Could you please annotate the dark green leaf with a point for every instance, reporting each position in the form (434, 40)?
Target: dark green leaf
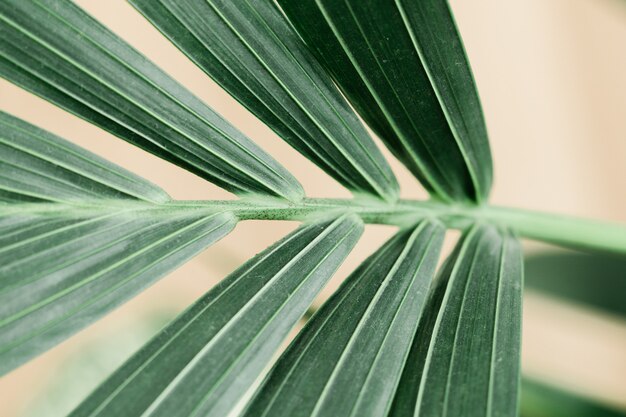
(406, 395)
(471, 365)
(541, 400)
(594, 279)
(204, 361)
(38, 166)
(78, 236)
(403, 66)
(251, 50)
(54, 49)
(349, 358)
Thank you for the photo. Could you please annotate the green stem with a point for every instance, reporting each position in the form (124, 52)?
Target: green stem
(553, 228)
(562, 230)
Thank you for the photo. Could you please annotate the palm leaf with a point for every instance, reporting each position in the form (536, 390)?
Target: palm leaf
(349, 358)
(541, 400)
(403, 67)
(204, 361)
(79, 236)
(596, 280)
(471, 366)
(251, 50)
(37, 166)
(54, 49)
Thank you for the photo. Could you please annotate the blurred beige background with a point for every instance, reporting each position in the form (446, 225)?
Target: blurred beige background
(552, 78)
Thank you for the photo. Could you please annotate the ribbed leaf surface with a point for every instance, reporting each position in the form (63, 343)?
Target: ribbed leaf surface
(403, 66)
(36, 166)
(471, 365)
(252, 51)
(349, 358)
(54, 49)
(202, 363)
(78, 236)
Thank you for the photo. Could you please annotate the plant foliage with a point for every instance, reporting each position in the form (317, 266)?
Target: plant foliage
(79, 235)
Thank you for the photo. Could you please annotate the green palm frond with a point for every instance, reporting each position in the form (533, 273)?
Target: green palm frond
(79, 235)
(471, 366)
(56, 50)
(403, 66)
(372, 317)
(211, 354)
(250, 49)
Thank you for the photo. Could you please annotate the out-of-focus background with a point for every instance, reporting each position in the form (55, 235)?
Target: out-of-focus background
(552, 78)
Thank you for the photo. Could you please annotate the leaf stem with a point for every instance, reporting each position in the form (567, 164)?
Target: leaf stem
(554, 228)
(560, 229)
